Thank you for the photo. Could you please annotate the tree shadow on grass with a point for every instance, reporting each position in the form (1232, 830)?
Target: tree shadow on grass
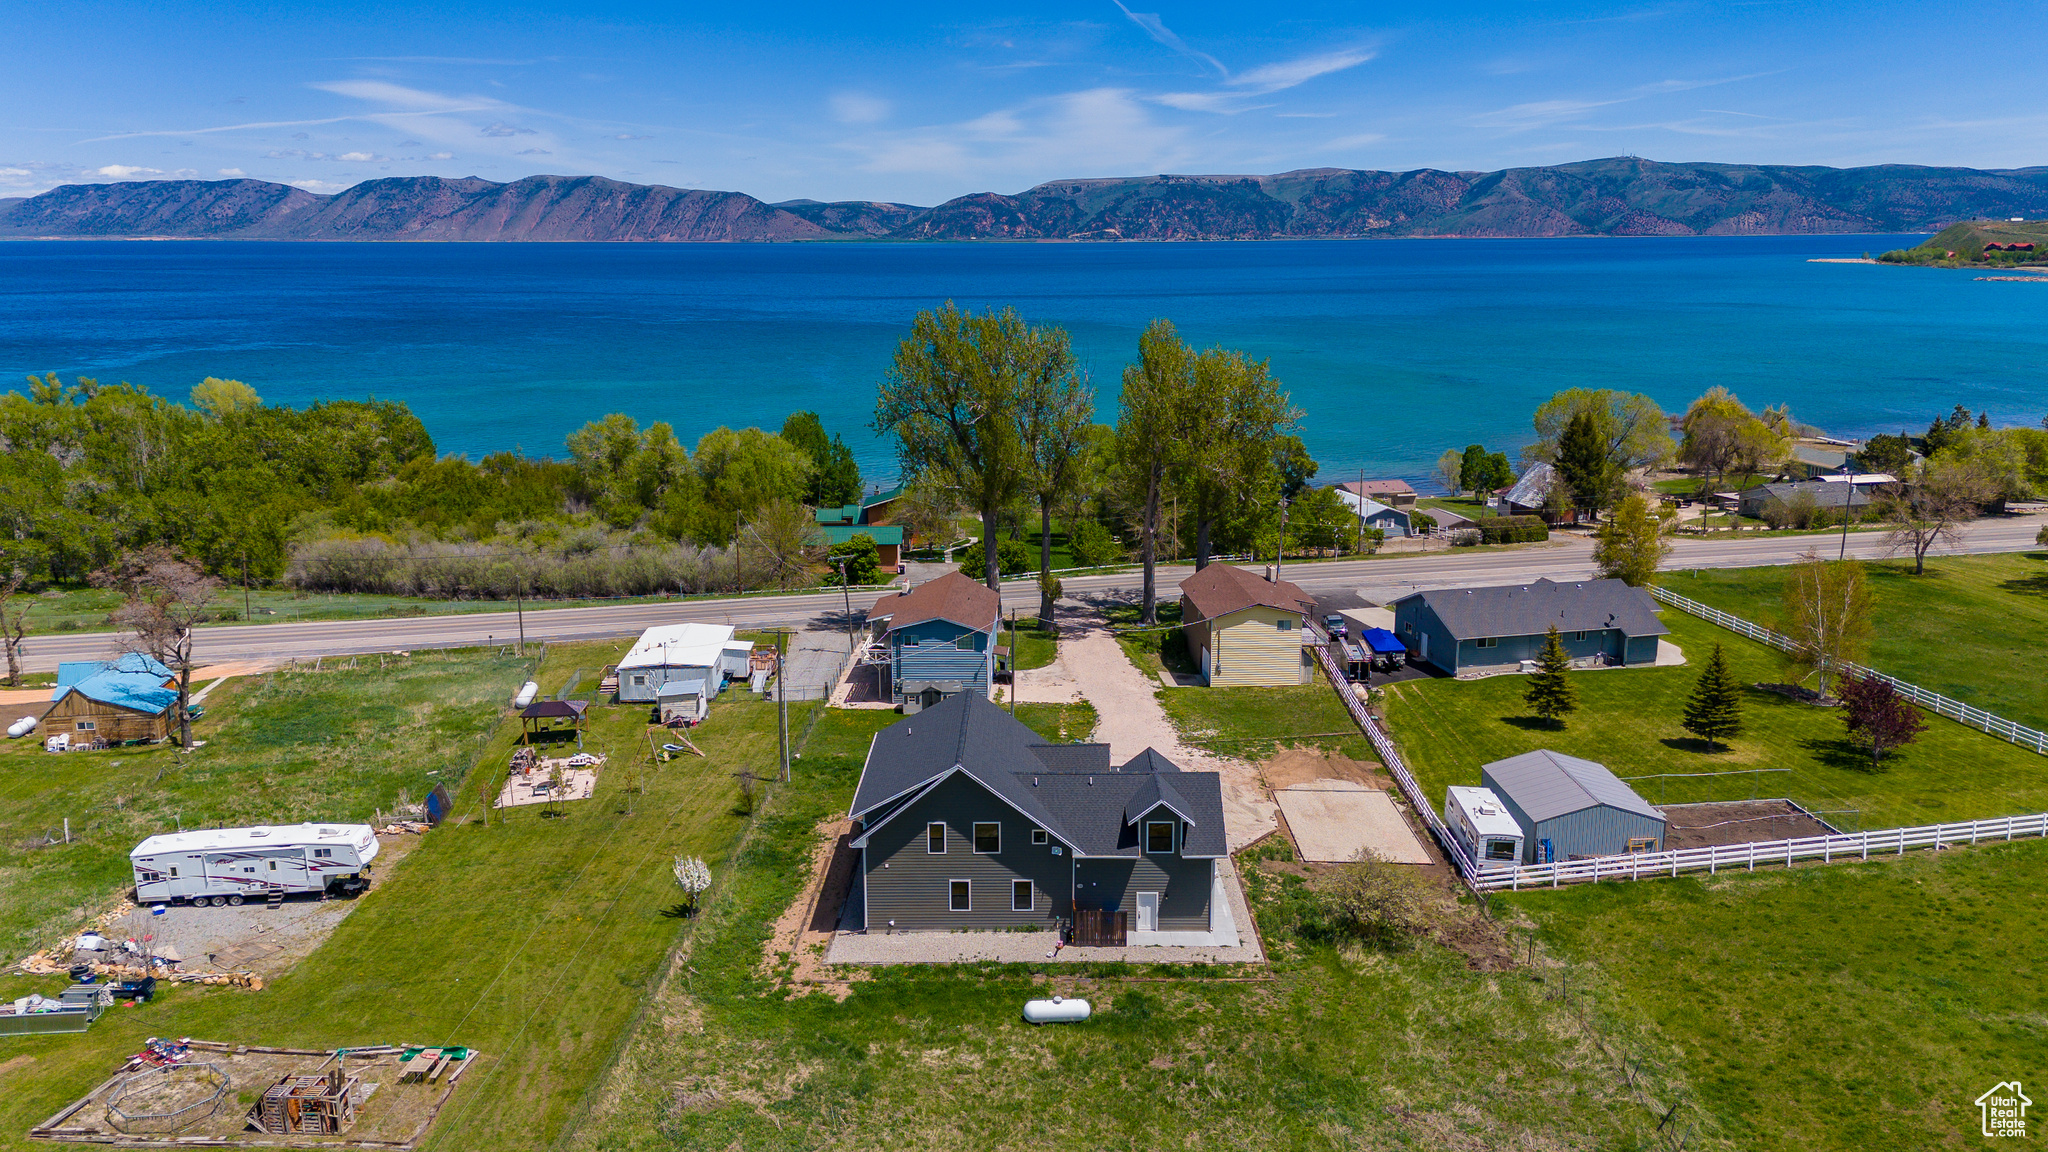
(1845, 754)
(1532, 723)
(1694, 744)
(2027, 585)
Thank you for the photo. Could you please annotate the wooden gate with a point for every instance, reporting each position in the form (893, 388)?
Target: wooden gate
(1101, 928)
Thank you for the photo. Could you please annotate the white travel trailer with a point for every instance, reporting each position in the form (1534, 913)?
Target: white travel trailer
(230, 865)
(1483, 827)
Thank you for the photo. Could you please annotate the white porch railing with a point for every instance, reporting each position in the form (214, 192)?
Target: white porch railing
(1935, 702)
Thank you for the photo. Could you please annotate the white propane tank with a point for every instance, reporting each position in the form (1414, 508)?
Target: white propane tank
(21, 727)
(527, 692)
(1057, 1010)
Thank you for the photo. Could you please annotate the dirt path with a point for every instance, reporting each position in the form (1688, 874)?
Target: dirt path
(1092, 667)
(795, 951)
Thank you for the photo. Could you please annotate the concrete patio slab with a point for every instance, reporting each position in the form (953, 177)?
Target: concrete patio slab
(1334, 820)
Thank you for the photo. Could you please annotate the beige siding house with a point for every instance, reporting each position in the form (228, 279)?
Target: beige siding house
(1243, 629)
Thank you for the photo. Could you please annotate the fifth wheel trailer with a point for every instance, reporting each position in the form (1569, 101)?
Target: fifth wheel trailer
(230, 865)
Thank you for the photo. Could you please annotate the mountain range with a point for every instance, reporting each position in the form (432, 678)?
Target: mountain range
(1622, 196)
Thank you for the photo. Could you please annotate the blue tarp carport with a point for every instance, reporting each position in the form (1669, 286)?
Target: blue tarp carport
(1383, 642)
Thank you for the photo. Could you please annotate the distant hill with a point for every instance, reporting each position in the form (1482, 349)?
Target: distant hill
(1979, 242)
(1615, 197)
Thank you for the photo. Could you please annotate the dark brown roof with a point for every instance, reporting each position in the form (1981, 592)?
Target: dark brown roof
(1221, 589)
(950, 597)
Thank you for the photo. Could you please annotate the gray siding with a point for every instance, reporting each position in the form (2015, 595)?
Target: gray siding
(1515, 649)
(1412, 621)
(1641, 650)
(1114, 883)
(630, 692)
(908, 884)
(1595, 831)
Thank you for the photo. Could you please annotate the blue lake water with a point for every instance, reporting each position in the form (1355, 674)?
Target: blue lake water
(1395, 349)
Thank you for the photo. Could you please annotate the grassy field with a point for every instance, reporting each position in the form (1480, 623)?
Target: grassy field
(1034, 648)
(1628, 720)
(1154, 648)
(1840, 1006)
(1332, 1048)
(1249, 723)
(1974, 627)
(287, 747)
(533, 939)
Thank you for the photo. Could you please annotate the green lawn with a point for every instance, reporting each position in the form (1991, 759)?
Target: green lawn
(533, 939)
(1628, 720)
(1332, 1048)
(1852, 1006)
(1059, 723)
(1973, 627)
(1249, 723)
(1035, 648)
(1153, 648)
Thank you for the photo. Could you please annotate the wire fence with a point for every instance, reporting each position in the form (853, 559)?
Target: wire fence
(1987, 722)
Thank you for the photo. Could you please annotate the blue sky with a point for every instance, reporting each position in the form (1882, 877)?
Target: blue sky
(919, 103)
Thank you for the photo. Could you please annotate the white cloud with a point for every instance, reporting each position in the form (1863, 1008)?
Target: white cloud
(441, 156)
(533, 152)
(859, 108)
(1358, 141)
(319, 187)
(1156, 28)
(1289, 73)
(411, 99)
(1099, 131)
(500, 128)
(124, 171)
(362, 158)
(232, 172)
(630, 136)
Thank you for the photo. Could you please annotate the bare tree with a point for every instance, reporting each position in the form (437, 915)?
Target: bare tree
(1827, 615)
(1931, 511)
(13, 621)
(166, 598)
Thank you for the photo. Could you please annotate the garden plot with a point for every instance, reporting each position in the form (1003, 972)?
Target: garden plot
(1738, 822)
(1333, 821)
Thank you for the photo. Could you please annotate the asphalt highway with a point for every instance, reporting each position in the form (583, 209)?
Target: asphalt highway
(1379, 578)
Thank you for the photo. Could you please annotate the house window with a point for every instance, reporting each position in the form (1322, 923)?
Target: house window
(1487, 642)
(639, 681)
(1642, 843)
(1409, 628)
(959, 896)
(1579, 635)
(965, 643)
(1040, 836)
(1500, 849)
(88, 725)
(1159, 835)
(988, 837)
(1285, 624)
(1020, 895)
(935, 837)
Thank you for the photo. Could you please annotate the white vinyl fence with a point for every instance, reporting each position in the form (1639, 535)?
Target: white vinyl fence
(1649, 865)
(1827, 849)
(1935, 702)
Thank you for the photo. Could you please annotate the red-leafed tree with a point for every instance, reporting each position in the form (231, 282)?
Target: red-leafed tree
(1878, 716)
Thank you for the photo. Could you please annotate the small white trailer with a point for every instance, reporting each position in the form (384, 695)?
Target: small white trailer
(220, 866)
(1484, 826)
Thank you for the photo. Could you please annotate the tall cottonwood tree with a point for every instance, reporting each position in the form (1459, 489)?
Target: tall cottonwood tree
(950, 398)
(1152, 406)
(1630, 428)
(1723, 438)
(1053, 413)
(165, 598)
(1234, 420)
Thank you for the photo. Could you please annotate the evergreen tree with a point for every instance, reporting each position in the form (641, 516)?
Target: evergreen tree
(1714, 712)
(1582, 463)
(1551, 694)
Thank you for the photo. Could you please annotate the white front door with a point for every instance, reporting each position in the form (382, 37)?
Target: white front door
(1424, 652)
(1148, 912)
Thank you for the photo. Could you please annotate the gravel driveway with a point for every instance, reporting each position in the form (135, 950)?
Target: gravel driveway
(1092, 667)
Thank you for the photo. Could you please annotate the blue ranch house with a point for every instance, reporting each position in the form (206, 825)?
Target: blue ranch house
(941, 637)
(1602, 623)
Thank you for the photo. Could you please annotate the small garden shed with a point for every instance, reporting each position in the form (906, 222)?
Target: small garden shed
(1571, 809)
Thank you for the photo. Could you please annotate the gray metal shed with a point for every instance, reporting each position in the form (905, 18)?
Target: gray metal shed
(1570, 808)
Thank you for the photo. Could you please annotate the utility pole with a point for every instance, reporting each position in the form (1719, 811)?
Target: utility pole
(1848, 512)
(737, 586)
(519, 592)
(1361, 508)
(846, 594)
(245, 585)
(1013, 661)
(1280, 549)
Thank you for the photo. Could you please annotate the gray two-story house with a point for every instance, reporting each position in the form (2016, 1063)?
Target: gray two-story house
(965, 818)
(1469, 630)
(942, 639)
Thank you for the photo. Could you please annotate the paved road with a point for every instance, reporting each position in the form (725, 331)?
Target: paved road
(1566, 558)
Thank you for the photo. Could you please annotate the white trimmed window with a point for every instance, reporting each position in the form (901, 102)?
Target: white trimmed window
(935, 837)
(1285, 624)
(88, 725)
(1159, 835)
(1020, 896)
(1487, 642)
(988, 837)
(1579, 635)
(1040, 836)
(959, 896)
(965, 643)
(323, 853)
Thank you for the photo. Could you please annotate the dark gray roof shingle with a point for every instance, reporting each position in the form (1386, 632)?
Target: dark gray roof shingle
(1072, 790)
(1530, 609)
